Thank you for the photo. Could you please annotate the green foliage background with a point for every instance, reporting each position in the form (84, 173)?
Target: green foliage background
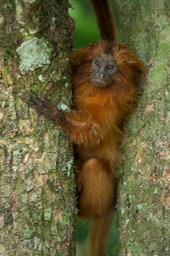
(86, 30)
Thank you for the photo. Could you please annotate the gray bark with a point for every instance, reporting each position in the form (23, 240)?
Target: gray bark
(144, 199)
(37, 199)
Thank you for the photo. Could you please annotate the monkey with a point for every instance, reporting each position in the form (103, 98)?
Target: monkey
(107, 79)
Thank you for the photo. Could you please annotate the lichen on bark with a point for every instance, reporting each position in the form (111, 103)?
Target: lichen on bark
(34, 53)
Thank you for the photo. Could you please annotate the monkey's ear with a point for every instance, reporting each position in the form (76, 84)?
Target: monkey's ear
(139, 75)
(79, 55)
(138, 69)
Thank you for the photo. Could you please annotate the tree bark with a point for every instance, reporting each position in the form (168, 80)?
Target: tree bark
(144, 199)
(37, 201)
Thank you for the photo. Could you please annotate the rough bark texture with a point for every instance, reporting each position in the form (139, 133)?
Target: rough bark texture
(144, 199)
(36, 179)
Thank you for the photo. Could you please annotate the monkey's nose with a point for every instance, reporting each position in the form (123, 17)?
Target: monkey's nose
(100, 75)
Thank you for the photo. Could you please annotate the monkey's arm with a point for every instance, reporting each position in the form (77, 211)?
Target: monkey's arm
(80, 127)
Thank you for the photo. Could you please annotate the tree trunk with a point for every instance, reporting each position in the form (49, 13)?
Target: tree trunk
(36, 180)
(144, 199)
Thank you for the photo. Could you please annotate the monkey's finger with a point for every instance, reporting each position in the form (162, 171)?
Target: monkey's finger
(35, 101)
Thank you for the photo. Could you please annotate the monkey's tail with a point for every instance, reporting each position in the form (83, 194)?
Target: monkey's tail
(105, 20)
(99, 234)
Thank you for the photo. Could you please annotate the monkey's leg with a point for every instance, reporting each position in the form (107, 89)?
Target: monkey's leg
(96, 202)
(96, 194)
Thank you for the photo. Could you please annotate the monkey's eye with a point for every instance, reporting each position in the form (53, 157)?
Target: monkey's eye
(97, 63)
(111, 66)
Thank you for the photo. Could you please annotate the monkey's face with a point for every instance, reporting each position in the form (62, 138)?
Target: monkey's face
(103, 69)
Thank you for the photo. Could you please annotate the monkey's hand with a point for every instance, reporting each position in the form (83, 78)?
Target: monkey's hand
(36, 102)
(44, 107)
